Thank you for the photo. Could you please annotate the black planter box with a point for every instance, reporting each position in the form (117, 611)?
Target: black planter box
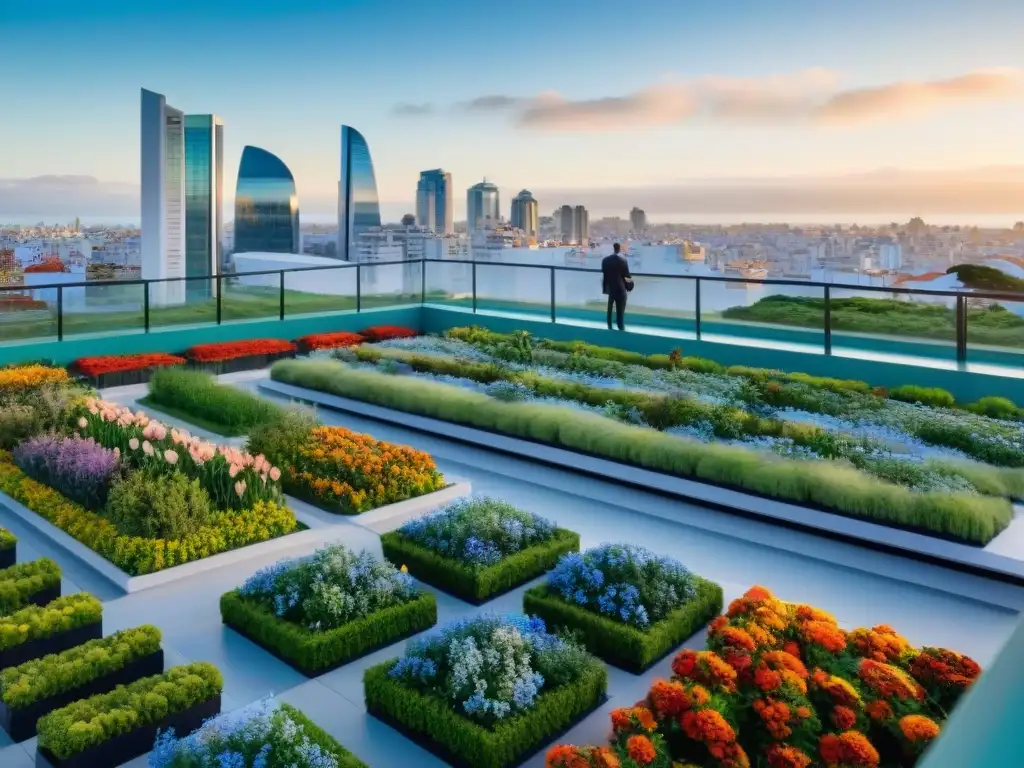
(237, 364)
(124, 378)
(44, 646)
(8, 557)
(20, 724)
(128, 746)
(43, 598)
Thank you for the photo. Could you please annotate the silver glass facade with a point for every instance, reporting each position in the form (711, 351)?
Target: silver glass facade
(162, 182)
(482, 206)
(204, 195)
(358, 206)
(526, 214)
(266, 205)
(434, 202)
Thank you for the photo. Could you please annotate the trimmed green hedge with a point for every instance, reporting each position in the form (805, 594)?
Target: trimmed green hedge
(7, 539)
(61, 615)
(20, 582)
(60, 672)
(316, 652)
(620, 644)
(478, 584)
(831, 486)
(509, 741)
(89, 722)
(319, 736)
(197, 396)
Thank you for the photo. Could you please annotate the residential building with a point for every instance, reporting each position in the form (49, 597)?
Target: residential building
(266, 205)
(526, 215)
(204, 198)
(434, 202)
(482, 206)
(638, 221)
(581, 224)
(358, 205)
(565, 218)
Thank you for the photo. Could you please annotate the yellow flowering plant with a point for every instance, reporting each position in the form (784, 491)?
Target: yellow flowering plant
(18, 379)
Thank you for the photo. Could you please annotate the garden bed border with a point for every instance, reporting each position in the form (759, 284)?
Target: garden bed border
(17, 655)
(907, 544)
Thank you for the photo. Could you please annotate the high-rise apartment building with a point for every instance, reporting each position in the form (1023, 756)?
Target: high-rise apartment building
(182, 195)
(483, 209)
(526, 214)
(434, 202)
(266, 205)
(358, 205)
(638, 221)
(581, 225)
(565, 218)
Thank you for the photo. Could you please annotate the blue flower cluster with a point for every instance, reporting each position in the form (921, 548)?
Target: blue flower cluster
(623, 582)
(478, 531)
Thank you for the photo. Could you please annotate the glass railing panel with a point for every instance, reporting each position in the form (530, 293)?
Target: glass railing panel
(103, 309)
(888, 322)
(314, 292)
(995, 331)
(27, 313)
(449, 283)
(657, 302)
(744, 311)
(504, 288)
(184, 302)
(390, 285)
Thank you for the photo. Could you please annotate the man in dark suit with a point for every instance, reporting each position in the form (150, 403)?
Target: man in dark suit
(616, 282)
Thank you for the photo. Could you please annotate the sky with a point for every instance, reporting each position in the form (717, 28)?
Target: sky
(618, 101)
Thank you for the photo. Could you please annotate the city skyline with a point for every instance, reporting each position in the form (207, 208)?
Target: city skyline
(788, 91)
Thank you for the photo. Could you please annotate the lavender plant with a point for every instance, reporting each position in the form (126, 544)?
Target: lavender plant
(81, 470)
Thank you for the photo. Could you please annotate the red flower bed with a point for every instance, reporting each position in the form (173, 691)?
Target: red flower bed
(97, 366)
(385, 332)
(330, 340)
(16, 303)
(230, 350)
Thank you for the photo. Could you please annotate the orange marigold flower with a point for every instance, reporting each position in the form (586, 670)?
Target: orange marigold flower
(566, 756)
(705, 667)
(699, 695)
(917, 728)
(792, 649)
(944, 667)
(620, 719)
(786, 756)
(881, 643)
(603, 757)
(879, 711)
(849, 750)
(775, 715)
(640, 749)
(645, 718)
(759, 593)
(825, 634)
(843, 718)
(717, 625)
(810, 613)
(707, 725)
(778, 667)
(888, 681)
(668, 698)
(839, 690)
(736, 637)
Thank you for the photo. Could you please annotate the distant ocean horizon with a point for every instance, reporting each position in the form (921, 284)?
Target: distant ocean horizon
(982, 221)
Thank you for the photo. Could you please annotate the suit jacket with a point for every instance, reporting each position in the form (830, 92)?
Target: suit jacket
(614, 271)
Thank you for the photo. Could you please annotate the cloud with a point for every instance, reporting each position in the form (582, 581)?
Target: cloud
(68, 196)
(810, 96)
(413, 110)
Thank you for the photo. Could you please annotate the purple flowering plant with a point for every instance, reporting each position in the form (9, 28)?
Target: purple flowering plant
(80, 469)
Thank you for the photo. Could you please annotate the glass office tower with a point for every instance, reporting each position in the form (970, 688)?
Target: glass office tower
(204, 195)
(483, 209)
(358, 206)
(266, 205)
(434, 202)
(526, 214)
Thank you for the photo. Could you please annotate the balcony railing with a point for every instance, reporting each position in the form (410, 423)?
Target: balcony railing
(940, 323)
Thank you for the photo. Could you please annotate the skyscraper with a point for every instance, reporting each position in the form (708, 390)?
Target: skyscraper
(482, 206)
(581, 225)
(358, 206)
(162, 167)
(526, 214)
(638, 221)
(266, 205)
(567, 228)
(204, 196)
(434, 202)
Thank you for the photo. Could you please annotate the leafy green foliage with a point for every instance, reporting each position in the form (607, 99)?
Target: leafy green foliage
(930, 396)
(997, 408)
(984, 278)
(279, 440)
(233, 411)
(19, 583)
(7, 539)
(35, 622)
(158, 506)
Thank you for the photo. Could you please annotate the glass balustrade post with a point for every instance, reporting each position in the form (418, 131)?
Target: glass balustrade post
(145, 306)
(696, 316)
(220, 302)
(60, 313)
(280, 308)
(474, 287)
(828, 320)
(961, 329)
(359, 288)
(552, 293)
(423, 280)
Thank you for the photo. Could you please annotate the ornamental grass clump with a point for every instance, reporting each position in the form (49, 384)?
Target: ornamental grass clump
(267, 734)
(330, 588)
(491, 668)
(198, 394)
(623, 582)
(80, 469)
(478, 531)
(782, 685)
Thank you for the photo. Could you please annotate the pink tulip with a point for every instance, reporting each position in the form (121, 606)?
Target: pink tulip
(147, 448)
(240, 488)
(234, 470)
(134, 443)
(83, 423)
(170, 457)
(275, 474)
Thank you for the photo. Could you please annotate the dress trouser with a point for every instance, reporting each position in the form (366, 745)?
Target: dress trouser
(619, 302)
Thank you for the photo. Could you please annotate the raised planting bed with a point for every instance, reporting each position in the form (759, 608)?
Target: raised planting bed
(36, 582)
(8, 548)
(35, 688)
(123, 370)
(87, 733)
(478, 548)
(280, 609)
(234, 356)
(37, 631)
(558, 688)
(317, 341)
(783, 685)
(267, 724)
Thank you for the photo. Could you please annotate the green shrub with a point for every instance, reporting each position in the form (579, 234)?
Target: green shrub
(997, 408)
(61, 672)
(197, 395)
(477, 584)
(35, 622)
(319, 736)
(503, 745)
(19, 583)
(279, 441)
(930, 396)
(33, 412)
(315, 652)
(158, 506)
(90, 722)
(17, 424)
(618, 643)
(7, 539)
(827, 485)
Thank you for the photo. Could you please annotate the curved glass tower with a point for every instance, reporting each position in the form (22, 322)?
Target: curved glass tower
(358, 206)
(266, 206)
